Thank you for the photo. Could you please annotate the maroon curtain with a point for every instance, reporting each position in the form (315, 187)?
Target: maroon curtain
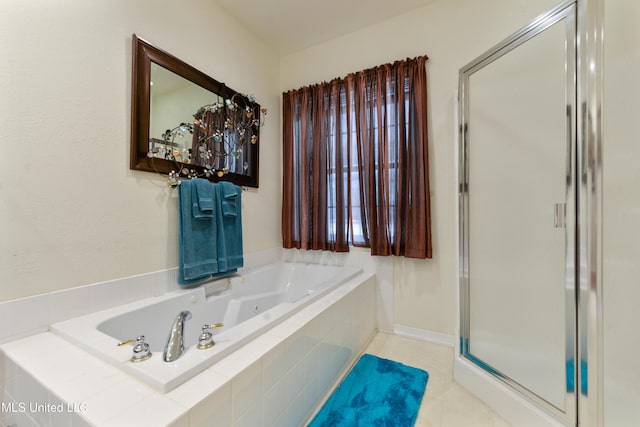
(314, 206)
(356, 163)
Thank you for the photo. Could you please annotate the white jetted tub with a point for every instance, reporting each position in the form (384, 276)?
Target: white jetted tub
(247, 305)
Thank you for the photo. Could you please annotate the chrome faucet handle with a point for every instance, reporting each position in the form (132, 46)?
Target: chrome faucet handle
(205, 340)
(141, 350)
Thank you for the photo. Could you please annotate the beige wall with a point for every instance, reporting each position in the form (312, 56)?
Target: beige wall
(71, 211)
(451, 33)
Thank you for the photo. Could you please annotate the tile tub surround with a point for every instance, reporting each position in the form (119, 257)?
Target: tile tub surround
(34, 314)
(276, 380)
(247, 306)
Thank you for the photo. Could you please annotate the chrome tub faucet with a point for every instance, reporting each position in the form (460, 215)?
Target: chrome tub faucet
(175, 344)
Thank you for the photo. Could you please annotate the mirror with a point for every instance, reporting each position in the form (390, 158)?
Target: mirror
(186, 124)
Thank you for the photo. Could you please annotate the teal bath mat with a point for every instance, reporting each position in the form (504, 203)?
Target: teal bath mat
(377, 392)
(584, 371)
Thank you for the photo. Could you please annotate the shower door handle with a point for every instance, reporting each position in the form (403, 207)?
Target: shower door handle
(560, 215)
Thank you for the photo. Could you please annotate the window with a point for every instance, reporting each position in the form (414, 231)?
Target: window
(355, 163)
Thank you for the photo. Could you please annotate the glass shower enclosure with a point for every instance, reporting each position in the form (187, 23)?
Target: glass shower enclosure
(550, 218)
(518, 225)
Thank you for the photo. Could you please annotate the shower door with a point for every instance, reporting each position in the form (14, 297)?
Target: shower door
(517, 200)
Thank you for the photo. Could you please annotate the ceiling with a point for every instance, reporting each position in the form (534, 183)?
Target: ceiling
(291, 25)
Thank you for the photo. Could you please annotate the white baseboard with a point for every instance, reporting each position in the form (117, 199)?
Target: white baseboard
(424, 335)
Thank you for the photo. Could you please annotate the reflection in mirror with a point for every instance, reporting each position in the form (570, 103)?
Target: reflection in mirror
(173, 102)
(186, 124)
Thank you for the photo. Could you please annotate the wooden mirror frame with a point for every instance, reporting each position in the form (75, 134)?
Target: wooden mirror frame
(143, 55)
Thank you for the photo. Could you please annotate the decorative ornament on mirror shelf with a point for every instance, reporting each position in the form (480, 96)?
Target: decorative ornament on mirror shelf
(220, 133)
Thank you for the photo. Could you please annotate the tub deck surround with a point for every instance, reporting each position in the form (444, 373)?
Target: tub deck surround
(247, 306)
(57, 306)
(274, 380)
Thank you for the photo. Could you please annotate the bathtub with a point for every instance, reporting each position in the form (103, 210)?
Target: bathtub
(247, 305)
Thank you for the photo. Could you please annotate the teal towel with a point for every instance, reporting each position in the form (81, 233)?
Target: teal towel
(202, 199)
(377, 392)
(228, 216)
(229, 197)
(197, 240)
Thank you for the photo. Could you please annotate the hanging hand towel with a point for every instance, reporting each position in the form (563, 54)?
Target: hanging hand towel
(197, 247)
(230, 194)
(202, 198)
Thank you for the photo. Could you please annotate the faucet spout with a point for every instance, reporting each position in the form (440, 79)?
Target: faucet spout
(175, 345)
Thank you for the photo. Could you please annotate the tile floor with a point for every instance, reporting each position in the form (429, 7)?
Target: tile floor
(445, 403)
